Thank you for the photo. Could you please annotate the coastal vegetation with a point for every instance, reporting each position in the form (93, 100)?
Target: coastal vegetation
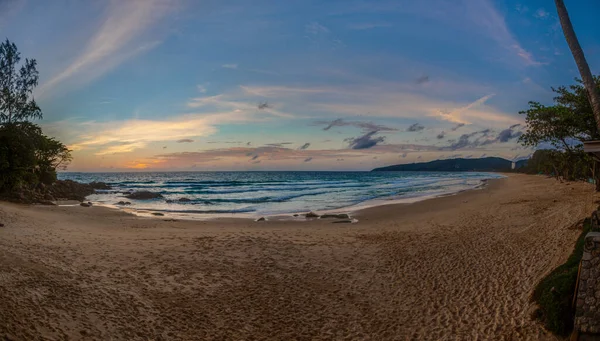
(28, 158)
(554, 293)
(559, 130)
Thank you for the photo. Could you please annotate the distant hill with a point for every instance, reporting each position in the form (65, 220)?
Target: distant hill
(486, 164)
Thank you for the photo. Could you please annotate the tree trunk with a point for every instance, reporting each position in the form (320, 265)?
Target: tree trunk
(582, 65)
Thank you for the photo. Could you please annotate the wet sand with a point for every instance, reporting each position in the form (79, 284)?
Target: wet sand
(457, 267)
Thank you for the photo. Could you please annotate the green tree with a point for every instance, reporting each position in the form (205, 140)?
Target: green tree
(16, 86)
(562, 126)
(27, 156)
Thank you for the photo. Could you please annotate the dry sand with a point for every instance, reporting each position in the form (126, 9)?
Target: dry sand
(459, 267)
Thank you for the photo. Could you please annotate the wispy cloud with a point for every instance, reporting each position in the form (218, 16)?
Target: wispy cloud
(229, 66)
(115, 41)
(185, 141)
(456, 114)
(315, 28)
(415, 127)
(541, 13)
(367, 126)
(369, 25)
(304, 146)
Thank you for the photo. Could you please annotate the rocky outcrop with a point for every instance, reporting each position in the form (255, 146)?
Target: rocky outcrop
(143, 195)
(69, 190)
(99, 185)
(123, 203)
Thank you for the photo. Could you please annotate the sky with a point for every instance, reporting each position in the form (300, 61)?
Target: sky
(144, 85)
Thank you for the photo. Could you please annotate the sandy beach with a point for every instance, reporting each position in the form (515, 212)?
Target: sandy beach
(458, 267)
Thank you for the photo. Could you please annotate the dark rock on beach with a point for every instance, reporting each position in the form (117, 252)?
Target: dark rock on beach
(347, 221)
(69, 190)
(184, 200)
(85, 204)
(311, 215)
(157, 214)
(144, 195)
(335, 216)
(261, 219)
(123, 203)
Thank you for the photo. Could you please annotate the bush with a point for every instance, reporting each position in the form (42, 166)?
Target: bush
(554, 294)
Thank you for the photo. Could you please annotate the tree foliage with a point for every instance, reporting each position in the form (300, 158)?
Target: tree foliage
(16, 86)
(561, 129)
(27, 156)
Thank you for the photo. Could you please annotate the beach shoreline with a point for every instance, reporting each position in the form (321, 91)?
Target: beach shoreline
(288, 216)
(460, 266)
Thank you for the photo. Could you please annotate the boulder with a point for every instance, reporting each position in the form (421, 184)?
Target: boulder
(335, 216)
(144, 195)
(85, 204)
(261, 219)
(69, 190)
(99, 185)
(47, 202)
(311, 215)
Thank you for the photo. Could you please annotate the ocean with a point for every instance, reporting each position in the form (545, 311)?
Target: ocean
(254, 194)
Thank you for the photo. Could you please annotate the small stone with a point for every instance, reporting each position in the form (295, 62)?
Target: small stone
(590, 301)
(311, 215)
(585, 273)
(585, 264)
(1, 225)
(157, 214)
(85, 204)
(261, 219)
(347, 221)
(336, 216)
(295, 215)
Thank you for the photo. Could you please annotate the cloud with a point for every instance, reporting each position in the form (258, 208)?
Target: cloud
(508, 134)
(365, 141)
(308, 159)
(280, 144)
(457, 126)
(422, 80)
(8, 8)
(116, 41)
(441, 135)
(415, 127)
(263, 105)
(541, 13)
(368, 25)
(366, 126)
(201, 89)
(521, 8)
(456, 114)
(185, 141)
(229, 66)
(315, 28)
(304, 146)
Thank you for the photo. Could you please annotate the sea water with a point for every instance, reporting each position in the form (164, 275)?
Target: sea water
(272, 193)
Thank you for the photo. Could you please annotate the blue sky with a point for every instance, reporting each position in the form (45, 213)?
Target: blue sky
(344, 85)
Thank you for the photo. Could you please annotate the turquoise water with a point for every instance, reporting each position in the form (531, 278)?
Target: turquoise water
(270, 193)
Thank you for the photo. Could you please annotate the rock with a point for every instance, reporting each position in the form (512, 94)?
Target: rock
(170, 220)
(335, 216)
(1, 225)
(90, 203)
(144, 195)
(157, 214)
(70, 190)
(85, 204)
(128, 192)
(99, 185)
(347, 221)
(47, 202)
(311, 215)
(295, 215)
(261, 219)
(184, 200)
